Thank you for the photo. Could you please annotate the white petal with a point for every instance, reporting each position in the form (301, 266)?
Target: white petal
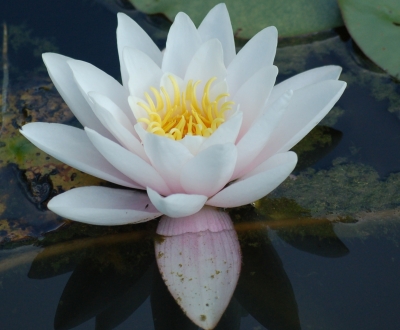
(137, 110)
(208, 218)
(177, 205)
(219, 88)
(256, 185)
(307, 78)
(182, 43)
(130, 34)
(252, 95)
(226, 133)
(107, 104)
(62, 77)
(217, 24)
(128, 163)
(255, 139)
(306, 109)
(193, 143)
(207, 63)
(259, 52)
(143, 72)
(169, 87)
(91, 79)
(71, 146)
(200, 269)
(104, 206)
(210, 170)
(116, 122)
(167, 157)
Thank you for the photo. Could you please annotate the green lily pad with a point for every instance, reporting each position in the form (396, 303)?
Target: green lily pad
(248, 17)
(375, 27)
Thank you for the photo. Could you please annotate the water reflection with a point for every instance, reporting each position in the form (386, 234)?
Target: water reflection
(109, 280)
(113, 276)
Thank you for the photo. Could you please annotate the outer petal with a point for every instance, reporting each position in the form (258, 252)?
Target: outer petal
(207, 62)
(255, 139)
(62, 77)
(182, 43)
(217, 24)
(306, 109)
(71, 146)
(177, 205)
(257, 183)
(259, 52)
(128, 163)
(91, 79)
(116, 122)
(168, 157)
(200, 268)
(143, 72)
(104, 206)
(130, 34)
(210, 170)
(252, 95)
(307, 78)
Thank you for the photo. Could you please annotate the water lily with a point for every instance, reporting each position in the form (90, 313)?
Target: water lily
(193, 127)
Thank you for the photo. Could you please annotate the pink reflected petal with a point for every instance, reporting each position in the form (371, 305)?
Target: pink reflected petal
(201, 266)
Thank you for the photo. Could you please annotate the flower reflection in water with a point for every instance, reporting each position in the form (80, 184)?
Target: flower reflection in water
(114, 275)
(194, 127)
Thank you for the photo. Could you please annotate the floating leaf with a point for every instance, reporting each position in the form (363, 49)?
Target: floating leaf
(375, 27)
(248, 17)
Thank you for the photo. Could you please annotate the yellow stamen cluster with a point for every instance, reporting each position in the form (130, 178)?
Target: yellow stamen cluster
(185, 115)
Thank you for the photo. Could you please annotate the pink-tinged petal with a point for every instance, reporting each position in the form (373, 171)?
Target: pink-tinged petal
(71, 146)
(252, 95)
(182, 43)
(167, 157)
(116, 122)
(130, 34)
(258, 53)
(104, 206)
(128, 163)
(91, 79)
(304, 79)
(217, 24)
(63, 79)
(210, 170)
(251, 144)
(207, 63)
(305, 110)
(143, 72)
(208, 218)
(200, 269)
(257, 183)
(177, 205)
(226, 133)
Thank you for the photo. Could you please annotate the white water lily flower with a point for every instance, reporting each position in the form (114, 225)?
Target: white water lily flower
(195, 125)
(192, 127)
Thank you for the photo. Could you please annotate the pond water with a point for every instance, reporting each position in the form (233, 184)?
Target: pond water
(320, 252)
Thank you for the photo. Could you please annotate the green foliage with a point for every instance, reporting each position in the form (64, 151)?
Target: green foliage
(375, 27)
(291, 17)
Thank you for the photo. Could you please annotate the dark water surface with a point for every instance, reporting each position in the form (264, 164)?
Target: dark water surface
(321, 252)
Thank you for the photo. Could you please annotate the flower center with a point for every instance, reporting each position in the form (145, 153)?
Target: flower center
(185, 115)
